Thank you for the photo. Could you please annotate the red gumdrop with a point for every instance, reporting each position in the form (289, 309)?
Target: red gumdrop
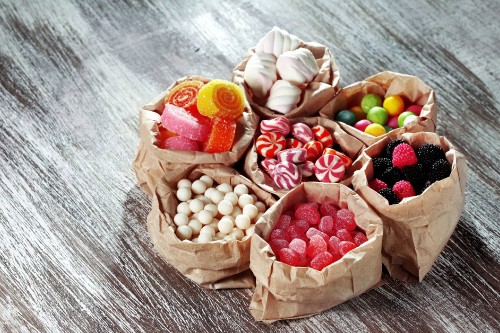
(333, 244)
(290, 213)
(345, 220)
(284, 222)
(277, 245)
(294, 232)
(316, 246)
(326, 225)
(302, 225)
(328, 209)
(359, 238)
(308, 214)
(303, 261)
(313, 205)
(289, 257)
(313, 231)
(298, 245)
(322, 260)
(279, 234)
(345, 247)
(344, 235)
(336, 255)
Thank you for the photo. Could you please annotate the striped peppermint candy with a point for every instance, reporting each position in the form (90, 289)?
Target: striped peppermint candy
(322, 135)
(329, 168)
(302, 132)
(293, 143)
(306, 168)
(279, 125)
(314, 150)
(294, 155)
(286, 175)
(346, 159)
(269, 144)
(268, 164)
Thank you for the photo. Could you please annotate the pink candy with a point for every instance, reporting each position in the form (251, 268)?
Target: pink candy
(294, 143)
(180, 121)
(286, 175)
(329, 168)
(302, 132)
(294, 155)
(322, 135)
(306, 168)
(268, 165)
(279, 125)
(180, 143)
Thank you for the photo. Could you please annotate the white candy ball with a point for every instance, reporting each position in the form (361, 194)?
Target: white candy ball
(184, 194)
(251, 211)
(225, 188)
(214, 224)
(203, 199)
(204, 238)
(212, 209)
(207, 230)
(181, 219)
(184, 232)
(250, 231)
(245, 199)
(209, 182)
(196, 205)
(196, 226)
(216, 196)
(240, 189)
(183, 208)
(236, 211)
(229, 237)
(260, 206)
(198, 187)
(184, 183)
(208, 191)
(220, 235)
(225, 207)
(238, 234)
(225, 225)
(205, 217)
(194, 240)
(231, 196)
(242, 222)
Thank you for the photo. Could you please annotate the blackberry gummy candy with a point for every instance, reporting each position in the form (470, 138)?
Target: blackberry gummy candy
(403, 155)
(441, 169)
(429, 153)
(415, 174)
(389, 195)
(380, 165)
(322, 260)
(391, 176)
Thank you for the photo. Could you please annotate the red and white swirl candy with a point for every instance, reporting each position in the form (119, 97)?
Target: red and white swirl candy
(314, 150)
(269, 144)
(279, 125)
(322, 135)
(329, 168)
(346, 159)
(302, 132)
(294, 155)
(306, 168)
(268, 164)
(293, 143)
(286, 175)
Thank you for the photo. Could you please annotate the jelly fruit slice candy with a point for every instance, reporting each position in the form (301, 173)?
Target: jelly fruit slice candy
(221, 137)
(180, 121)
(185, 95)
(221, 98)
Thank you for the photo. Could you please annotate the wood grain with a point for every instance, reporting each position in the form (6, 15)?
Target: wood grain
(74, 253)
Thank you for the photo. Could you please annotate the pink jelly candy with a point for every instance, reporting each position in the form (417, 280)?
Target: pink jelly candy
(293, 143)
(313, 232)
(329, 168)
(294, 155)
(359, 238)
(322, 260)
(333, 244)
(345, 220)
(279, 234)
(278, 125)
(328, 209)
(326, 225)
(306, 168)
(322, 135)
(284, 222)
(345, 247)
(268, 164)
(316, 246)
(286, 175)
(302, 225)
(344, 235)
(298, 245)
(308, 214)
(289, 257)
(185, 124)
(277, 244)
(295, 232)
(180, 143)
(302, 132)
(310, 205)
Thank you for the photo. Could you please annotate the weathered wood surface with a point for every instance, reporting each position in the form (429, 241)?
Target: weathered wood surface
(74, 253)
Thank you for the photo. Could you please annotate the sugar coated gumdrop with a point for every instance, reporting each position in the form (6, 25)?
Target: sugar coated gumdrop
(277, 244)
(185, 95)
(344, 235)
(326, 225)
(345, 247)
(322, 260)
(316, 246)
(221, 136)
(180, 143)
(298, 245)
(221, 98)
(328, 209)
(315, 232)
(359, 238)
(308, 214)
(185, 124)
(289, 257)
(345, 220)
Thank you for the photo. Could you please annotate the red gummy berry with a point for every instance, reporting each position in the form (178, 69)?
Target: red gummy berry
(345, 220)
(313, 231)
(322, 260)
(302, 225)
(403, 189)
(279, 234)
(277, 245)
(333, 244)
(345, 247)
(377, 184)
(344, 235)
(298, 245)
(403, 155)
(289, 257)
(359, 237)
(328, 209)
(307, 214)
(283, 222)
(326, 225)
(316, 246)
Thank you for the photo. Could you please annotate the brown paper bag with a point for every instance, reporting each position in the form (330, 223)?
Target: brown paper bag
(317, 93)
(350, 145)
(152, 162)
(285, 292)
(417, 229)
(215, 265)
(411, 88)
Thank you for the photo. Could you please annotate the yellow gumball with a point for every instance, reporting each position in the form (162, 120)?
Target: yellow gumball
(375, 130)
(358, 111)
(394, 105)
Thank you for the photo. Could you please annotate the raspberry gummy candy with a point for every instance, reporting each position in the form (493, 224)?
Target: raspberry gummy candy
(295, 232)
(326, 225)
(279, 234)
(312, 205)
(302, 225)
(345, 220)
(328, 209)
(313, 232)
(316, 246)
(344, 235)
(345, 247)
(308, 214)
(403, 155)
(377, 184)
(284, 222)
(322, 260)
(359, 238)
(277, 245)
(289, 257)
(299, 246)
(403, 189)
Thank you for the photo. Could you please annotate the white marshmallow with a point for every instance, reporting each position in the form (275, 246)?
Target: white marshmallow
(195, 226)
(216, 197)
(260, 73)
(284, 97)
(205, 217)
(277, 41)
(298, 66)
(225, 188)
(245, 199)
(225, 225)
(232, 197)
(225, 207)
(183, 208)
(242, 222)
(251, 211)
(212, 209)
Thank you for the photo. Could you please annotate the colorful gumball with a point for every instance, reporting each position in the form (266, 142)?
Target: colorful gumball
(329, 168)
(294, 155)
(185, 95)
(302, 132)
(286, 175)
(369, 101)
(346, 116)
(221, 136)
(322, 135)
(362, 124)
(393, 122)
(394, 105)
(221, 98)
(416, 109)
(269, 144)
(402, 117)
(279, 125)
(314, 150)
(358, 111)
(306, 168)
(375, 130)
(293, 143)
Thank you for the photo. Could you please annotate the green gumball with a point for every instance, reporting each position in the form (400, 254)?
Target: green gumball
(370, 101)
(402, 117)
(378, 115)
(347, 117)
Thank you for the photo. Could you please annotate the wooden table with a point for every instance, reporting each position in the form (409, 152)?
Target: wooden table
(74, 252)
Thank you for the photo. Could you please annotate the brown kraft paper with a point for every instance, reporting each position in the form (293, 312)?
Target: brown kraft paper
(152, 162)
(351, 146)
(214, 265)
(317, 93)
(384, 84)
(418, 228)
(287, 292)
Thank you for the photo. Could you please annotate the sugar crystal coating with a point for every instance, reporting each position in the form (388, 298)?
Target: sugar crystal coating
(185, 124)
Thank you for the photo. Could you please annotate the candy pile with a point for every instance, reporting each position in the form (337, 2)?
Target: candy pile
(279, 70)
(201, 117)
(315, 235)
(215, 212)
(376, 117)
(403, 172)
(307, 153)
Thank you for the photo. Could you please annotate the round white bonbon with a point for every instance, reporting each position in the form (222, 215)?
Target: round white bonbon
(242, 221)
(183, 208)
(212, 209)
(225, 188)
(225, 207)
(233, 197)
(196, 226)
(183, 232)
(196, 205)
(184, 194)
(207, 230)
(205, 217)
(251, 211)
(204, 238)
(198, 187)
(240, 189)
(216, 196)
(245, 199)
(181, 219)
(209, 182)
(237, 234)
(225, 225)
(184, 183)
